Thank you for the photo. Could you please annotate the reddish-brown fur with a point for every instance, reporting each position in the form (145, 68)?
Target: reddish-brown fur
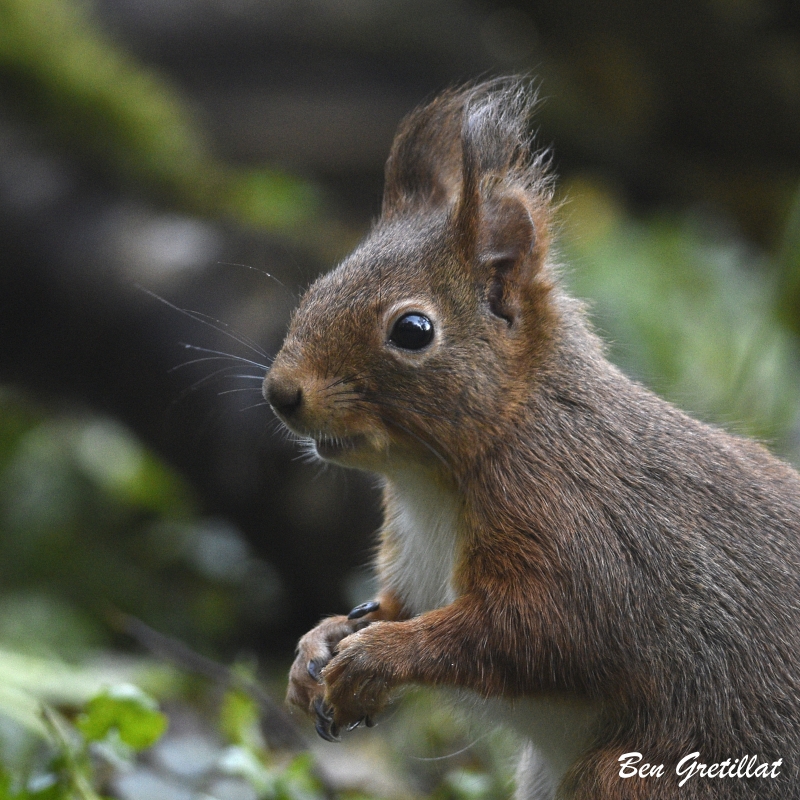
(606, 547)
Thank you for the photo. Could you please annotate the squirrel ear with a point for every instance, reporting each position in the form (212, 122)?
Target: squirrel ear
(424, 165)
(505, 253)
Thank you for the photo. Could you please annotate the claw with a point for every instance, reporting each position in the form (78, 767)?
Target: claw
(314, 669)
(324, 732)
(369, 722)
(353, 725)
(325, 725)
(322, 711)
(364, 609)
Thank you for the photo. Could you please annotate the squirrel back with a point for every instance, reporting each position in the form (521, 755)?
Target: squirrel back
(552, 529)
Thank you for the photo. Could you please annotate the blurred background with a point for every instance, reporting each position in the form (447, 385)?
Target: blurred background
(173, 173)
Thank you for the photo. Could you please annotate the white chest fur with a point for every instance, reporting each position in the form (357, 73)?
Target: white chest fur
(422, 520)
(421, 528)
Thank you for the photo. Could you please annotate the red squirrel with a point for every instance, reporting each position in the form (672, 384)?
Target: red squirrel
(616, 580)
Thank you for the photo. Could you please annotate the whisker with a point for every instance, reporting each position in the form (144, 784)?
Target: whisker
(367, 402)
(239, 337)
(198, 383)
(452, 755)
(255, 405)
(222, 354)
(204, 319)
(345, 356)
(209, 358)
(411, 433)
(282, 431)
(308, 452)
(255, 269)
(243, 389)
(343, 392)
(347, 378)
(340, 398)
(409, 408)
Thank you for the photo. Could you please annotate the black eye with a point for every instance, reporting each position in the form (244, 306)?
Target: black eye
(412, 331)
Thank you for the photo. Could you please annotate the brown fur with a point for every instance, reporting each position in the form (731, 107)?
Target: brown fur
(608, 547)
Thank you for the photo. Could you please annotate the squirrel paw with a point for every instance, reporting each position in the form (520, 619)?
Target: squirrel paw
(306, 689)
(356, 688)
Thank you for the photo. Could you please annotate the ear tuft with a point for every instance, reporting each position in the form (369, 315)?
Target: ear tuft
(502, 217)
(468, 152)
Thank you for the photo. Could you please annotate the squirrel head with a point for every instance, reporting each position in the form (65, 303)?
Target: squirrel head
(422, 344)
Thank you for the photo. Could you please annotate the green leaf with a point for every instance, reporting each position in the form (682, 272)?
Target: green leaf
(239, 718)
(127, 710)
(298, 781)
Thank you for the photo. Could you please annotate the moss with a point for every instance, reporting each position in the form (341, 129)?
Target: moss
(128, 120)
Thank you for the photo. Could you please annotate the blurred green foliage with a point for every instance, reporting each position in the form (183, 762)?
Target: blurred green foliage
(75, 757)
(123, 711)
(91, 522)
(788, 265)
(44, 754)
(59, 69)
(691, 310)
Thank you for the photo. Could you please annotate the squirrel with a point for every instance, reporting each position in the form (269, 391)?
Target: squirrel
(615, 580)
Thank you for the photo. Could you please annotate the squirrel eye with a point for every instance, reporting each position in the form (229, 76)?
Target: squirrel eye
(412, 331)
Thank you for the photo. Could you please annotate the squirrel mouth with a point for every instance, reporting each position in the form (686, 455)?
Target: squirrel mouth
(332, 447)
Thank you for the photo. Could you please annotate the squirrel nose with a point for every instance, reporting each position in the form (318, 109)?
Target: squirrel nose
(283, 394)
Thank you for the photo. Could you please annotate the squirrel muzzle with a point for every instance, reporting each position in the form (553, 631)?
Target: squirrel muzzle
(284, 394)
(322, 409)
